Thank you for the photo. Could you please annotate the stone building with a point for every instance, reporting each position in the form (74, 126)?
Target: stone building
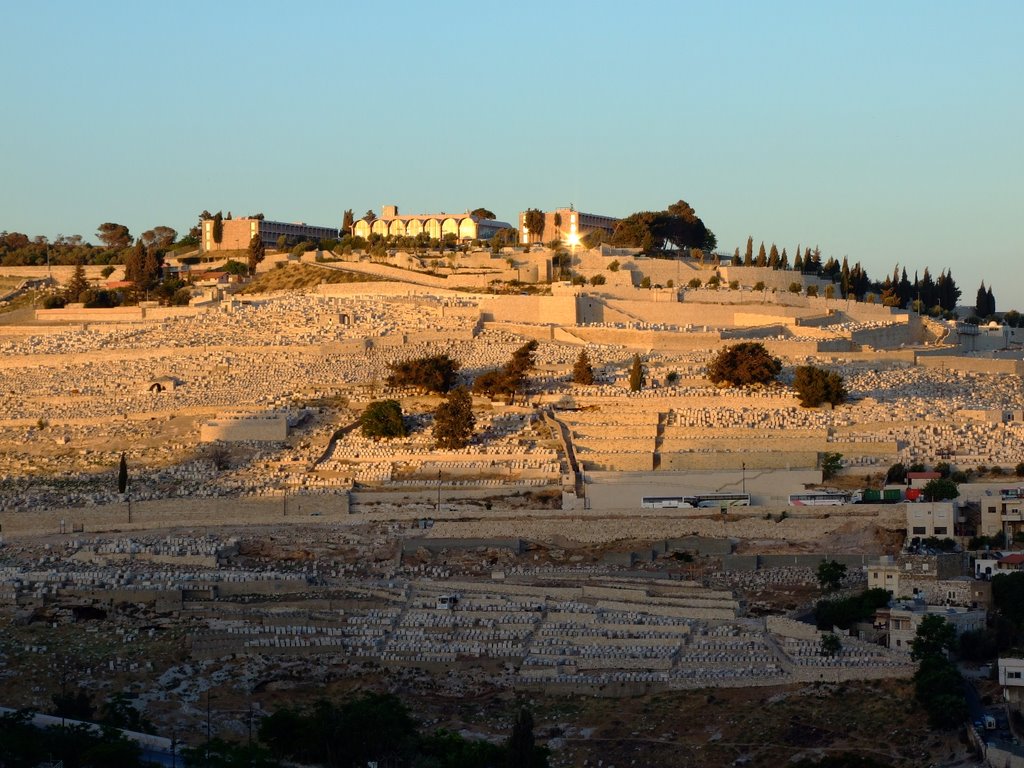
(900, 622)
(236, 233)
(1003, 514)
(565, 224)
(936, 579)
(1011, 678)
(465, 226)
(926, 519)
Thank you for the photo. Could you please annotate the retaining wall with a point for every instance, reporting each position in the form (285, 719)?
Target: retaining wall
(166, 513)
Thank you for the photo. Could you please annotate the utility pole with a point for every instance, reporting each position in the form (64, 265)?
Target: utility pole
(439, 493)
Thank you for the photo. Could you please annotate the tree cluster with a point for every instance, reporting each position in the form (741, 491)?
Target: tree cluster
(511, 377)
(677, 227)
(378, 728)
(831, 574)
(534, 222)
(435, 373)
(815, 386)
(846, 612)
(743, 364)
(940, 489)
(985, 302)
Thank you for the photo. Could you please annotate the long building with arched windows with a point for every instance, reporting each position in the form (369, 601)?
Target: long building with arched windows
(464, 226)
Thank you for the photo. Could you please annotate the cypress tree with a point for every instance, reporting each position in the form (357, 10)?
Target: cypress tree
(981, 301)
(748, 256)
(583, 371)
(122, 475)
(762, 256)
(636, 375)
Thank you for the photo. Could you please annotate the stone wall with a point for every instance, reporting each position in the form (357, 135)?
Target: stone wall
(560, 310)
(971, 364)
(269, 427)
(146, 515)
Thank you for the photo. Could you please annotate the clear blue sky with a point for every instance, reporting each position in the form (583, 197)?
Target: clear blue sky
(888, 132)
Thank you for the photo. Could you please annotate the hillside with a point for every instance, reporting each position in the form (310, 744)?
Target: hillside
(299, 276)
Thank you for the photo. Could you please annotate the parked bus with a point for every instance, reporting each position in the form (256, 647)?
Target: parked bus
(696, 500)
(823, 498)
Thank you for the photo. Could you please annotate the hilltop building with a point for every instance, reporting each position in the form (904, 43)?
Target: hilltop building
(464, 226)
(236, 233)
(565, 224)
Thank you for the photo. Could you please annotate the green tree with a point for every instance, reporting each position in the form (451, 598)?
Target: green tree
(583, 371)
(256, 253)
(454, 420)
(678, 227)
(744, 364)
(435, 373)
(233, 267)
(934, 637)
(483, 213)
(382, 419)
(114, 235)
(831, 464)
(940, 489)
(831, 574)
(636, 375)
(831, 645)
(897, 473)
(815, 386)
(218, 227)
(511, 377)
(117, 712)
(347, 222)
(598, 279)
(160, 238)
(1008, 596)
(848, 611)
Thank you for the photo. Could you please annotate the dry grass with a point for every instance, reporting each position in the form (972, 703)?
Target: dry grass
(301, 276)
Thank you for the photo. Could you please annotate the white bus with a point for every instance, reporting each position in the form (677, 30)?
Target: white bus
(696, 500)
(823, 498)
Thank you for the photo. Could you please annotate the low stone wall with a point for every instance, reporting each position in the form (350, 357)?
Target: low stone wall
(173, 513)
(733, 460)
(258, 427)
(971, 364)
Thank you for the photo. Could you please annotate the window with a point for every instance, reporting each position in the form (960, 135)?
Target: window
(918, 530)
(940, 531)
